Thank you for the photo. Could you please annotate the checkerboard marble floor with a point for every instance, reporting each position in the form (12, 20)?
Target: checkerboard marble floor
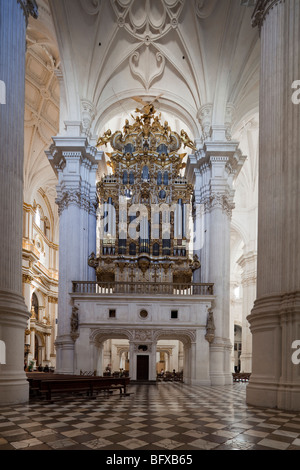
(167, 416)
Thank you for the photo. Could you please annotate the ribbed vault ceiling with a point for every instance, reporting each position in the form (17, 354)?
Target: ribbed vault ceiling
(86, 59)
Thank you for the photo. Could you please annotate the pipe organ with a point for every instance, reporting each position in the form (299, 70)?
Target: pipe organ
(144, 205)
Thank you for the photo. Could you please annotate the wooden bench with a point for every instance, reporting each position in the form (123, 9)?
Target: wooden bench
(241, 376)
(47, 384)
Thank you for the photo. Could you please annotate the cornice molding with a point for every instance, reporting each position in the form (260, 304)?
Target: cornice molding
(261, 10)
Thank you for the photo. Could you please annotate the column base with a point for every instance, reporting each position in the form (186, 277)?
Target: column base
(14, 387)
(220, 362)
(246, 362)
(275, 325)
(260, 393)
(200, 382)
(65, 355)
(271, 395)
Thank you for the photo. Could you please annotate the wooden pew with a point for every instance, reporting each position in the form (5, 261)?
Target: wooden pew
(241, 376)
(47, 384)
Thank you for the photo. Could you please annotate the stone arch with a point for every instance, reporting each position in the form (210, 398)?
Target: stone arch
(97, 339)
(185, 336)
(99, 335)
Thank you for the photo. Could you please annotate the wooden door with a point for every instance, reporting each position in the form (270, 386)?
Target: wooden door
(142, 367)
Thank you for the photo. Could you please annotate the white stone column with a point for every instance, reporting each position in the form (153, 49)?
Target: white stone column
(187, 368)
(32, 344)
(13, 311)
(215, 168)
(152, 362)
(75, 162)
(275, 318)
(132, 361)
(47, 347)
(248, 264)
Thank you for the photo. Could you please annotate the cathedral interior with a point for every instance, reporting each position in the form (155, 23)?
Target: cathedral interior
(150, 189)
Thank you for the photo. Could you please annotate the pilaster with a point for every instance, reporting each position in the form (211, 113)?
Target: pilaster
(75, 162)
(215, 168)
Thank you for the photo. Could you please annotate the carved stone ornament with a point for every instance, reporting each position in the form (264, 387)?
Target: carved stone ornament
(261, 10)
(147, 65)
(143, 335)
(74, 323)
(88, 114)
(30, 8)
(138, 348)
(220, 201)
(143, 21)
(210, 327)
(74, 197)
(205, 119)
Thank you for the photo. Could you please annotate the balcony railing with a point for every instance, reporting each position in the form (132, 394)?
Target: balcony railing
(110, 288)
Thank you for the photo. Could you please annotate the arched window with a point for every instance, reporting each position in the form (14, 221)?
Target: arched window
(166, 178)
(159, 178)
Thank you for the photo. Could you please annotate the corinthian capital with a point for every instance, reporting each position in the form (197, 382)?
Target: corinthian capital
(29, 7)
(261, 10)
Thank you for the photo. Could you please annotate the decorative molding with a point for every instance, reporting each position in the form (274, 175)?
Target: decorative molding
(218, 201)
(143, 335)
(30, 8)
(205, 119)
(27, 279)
(185, 336)
(147, 337)
(88, 112)
(261, 10)
(150, 27)
(229, 117)
(78, 198)
(204, 8)
(91, 7)
(147, 65)
(99, 335)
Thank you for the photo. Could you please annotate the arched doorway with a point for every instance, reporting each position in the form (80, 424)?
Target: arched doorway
(169, 358)
(237, 347)
(177, 351)
(109, 352)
